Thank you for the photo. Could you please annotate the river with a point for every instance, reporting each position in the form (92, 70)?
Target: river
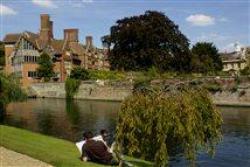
(64, 120)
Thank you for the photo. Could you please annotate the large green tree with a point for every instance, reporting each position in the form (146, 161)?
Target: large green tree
(45, 69)
(151, 39)
(2, 58)
(205, 57)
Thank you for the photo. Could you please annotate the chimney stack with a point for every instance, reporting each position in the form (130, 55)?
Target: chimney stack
(51, 29)
(46, 31)
(71, 35)
(89, 41)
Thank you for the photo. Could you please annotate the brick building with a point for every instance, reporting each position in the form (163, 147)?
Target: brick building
(22, 51)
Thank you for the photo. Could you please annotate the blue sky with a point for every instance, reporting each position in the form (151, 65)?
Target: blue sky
(223, 22)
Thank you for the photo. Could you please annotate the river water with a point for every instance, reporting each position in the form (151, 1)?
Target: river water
(64, 120)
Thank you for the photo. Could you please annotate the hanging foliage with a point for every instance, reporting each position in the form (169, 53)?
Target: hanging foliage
(157, 125)
(71, 87)
(10, 91)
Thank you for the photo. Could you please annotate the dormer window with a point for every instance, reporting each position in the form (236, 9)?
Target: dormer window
(26, 45)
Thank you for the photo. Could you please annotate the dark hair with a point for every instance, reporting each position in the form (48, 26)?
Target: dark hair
(103, 131)
(88, 135)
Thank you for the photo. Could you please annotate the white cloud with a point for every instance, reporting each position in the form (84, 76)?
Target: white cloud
(87, 1)
(45, 3)
(200, 20)
(5, 10)
(232, 47)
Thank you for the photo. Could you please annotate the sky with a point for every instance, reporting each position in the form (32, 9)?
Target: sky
(223, 22)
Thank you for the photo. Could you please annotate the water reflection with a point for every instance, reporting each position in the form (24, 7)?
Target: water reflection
(45, 122)
(72, 110)
(68, 120)
(234, 150)
(62, 119)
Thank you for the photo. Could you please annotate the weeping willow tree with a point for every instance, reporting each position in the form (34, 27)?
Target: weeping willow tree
(71, 87)
(157, 125)
(10, 91)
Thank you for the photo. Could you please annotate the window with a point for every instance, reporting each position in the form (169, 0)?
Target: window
(32, 59)
(26, 45)
(32, 74)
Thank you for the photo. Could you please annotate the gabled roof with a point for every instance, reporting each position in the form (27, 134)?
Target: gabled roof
(58, 45)
(230, 56)
(12, 38)
(30, 36)
(54, 46)
(77, 48)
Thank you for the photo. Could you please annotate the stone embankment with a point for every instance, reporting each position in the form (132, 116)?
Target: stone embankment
(118, 92)
(241, 97)
(87, 91)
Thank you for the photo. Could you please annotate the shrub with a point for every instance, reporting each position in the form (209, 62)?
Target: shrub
(106, 75)
(245, 71)
(213, 87)
(152, 72)
(80, 74)
(71, 87)
(142, 86)
(157, 125)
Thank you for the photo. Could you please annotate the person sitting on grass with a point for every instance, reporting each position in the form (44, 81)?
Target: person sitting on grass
(96, 151)
(102, 137)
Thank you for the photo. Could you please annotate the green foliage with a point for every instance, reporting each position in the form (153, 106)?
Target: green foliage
(245, 71)
(2, 54)
(80, 73)
(157, 125)
(152, 39)
(213, 87)
(10, 91)
(153, 72)
(143, 86)
(71, 87)
(45, 69)
(205, 58)
(106, 75)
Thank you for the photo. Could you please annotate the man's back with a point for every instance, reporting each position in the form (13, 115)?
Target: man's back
(97, 151)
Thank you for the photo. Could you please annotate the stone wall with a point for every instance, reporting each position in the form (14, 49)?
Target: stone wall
(94, 91)
(89, 91)
(241, 97)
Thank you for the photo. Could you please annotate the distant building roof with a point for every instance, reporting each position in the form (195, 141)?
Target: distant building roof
(12, 38)
(232, 57)
(77, 48)
(58, 45)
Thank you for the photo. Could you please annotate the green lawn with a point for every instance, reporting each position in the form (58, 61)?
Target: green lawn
(57, 152)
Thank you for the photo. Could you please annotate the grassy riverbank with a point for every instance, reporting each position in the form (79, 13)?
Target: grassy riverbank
(57, 152)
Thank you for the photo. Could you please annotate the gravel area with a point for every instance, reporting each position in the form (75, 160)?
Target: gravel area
(9, 158)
